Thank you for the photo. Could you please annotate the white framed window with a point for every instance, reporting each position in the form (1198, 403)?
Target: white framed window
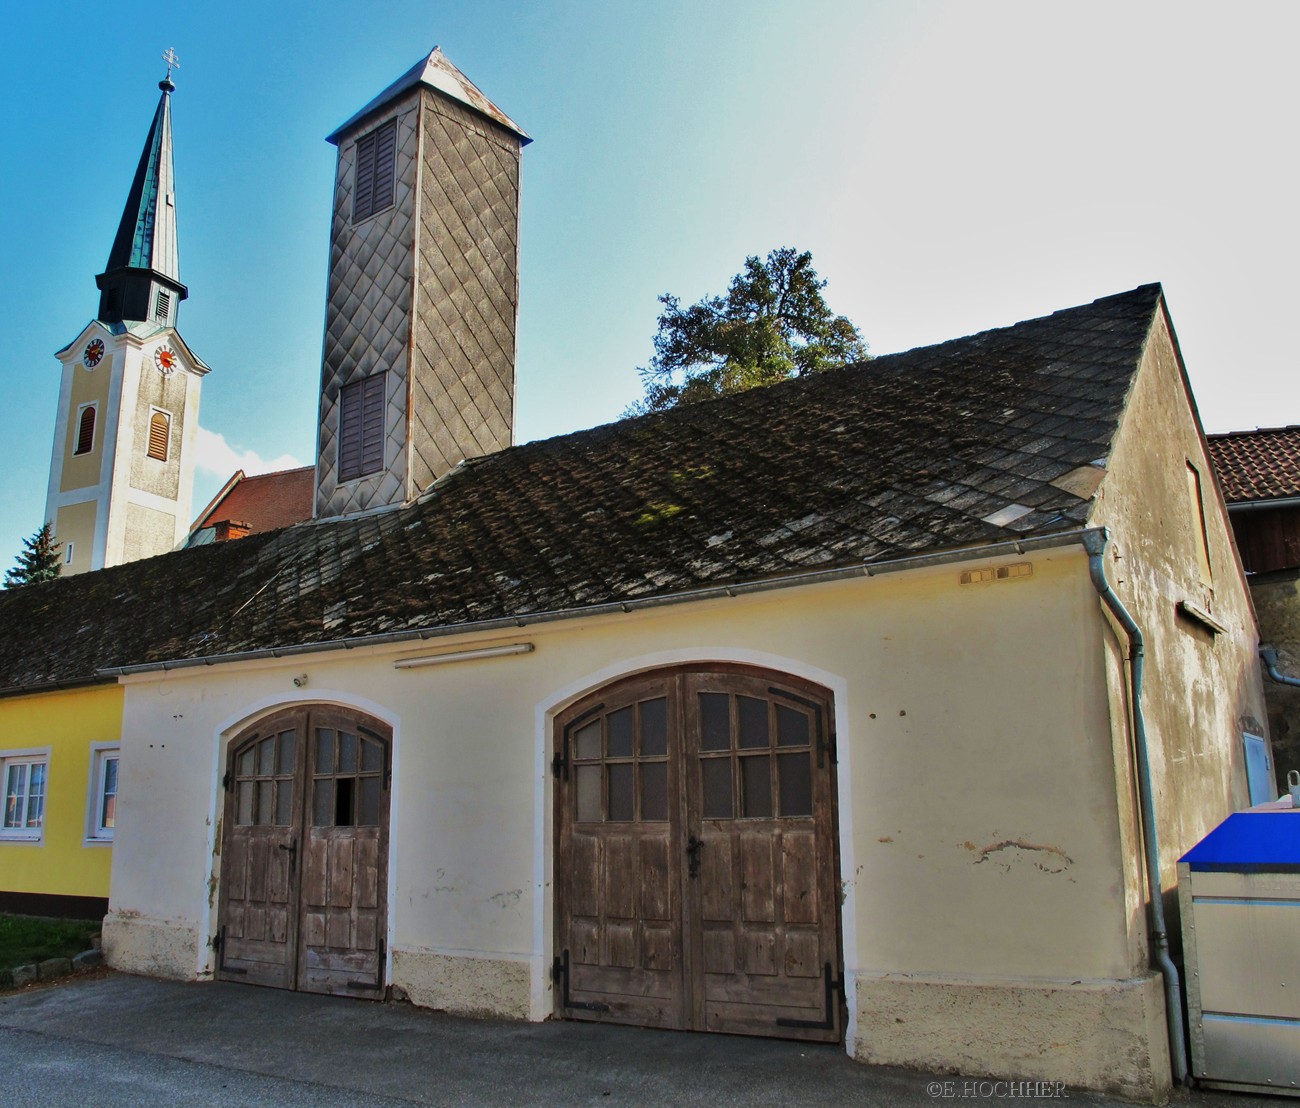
(101, 796)
(24, 775)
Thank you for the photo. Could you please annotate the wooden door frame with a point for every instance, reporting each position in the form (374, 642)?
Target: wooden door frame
(589, 702)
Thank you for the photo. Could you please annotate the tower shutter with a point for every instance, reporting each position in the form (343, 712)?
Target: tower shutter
(159, 429)
(376, 158)
(361, 427)
(85, 430)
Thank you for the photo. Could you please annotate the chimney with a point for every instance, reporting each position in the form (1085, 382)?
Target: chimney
(226, 529)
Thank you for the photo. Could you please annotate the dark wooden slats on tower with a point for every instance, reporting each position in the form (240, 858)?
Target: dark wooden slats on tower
(361, 427)
(376, 163)
(85, 431)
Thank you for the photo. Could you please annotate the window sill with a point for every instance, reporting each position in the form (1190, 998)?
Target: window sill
(29, 840)
(91, 840)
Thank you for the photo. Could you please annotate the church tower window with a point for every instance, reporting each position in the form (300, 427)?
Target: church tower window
(376, 165)
(162, 306)
(361, 427)
(85, 430)
(159, 431)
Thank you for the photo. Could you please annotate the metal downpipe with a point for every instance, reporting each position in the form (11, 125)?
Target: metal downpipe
(1269, 657)
(1095, 543)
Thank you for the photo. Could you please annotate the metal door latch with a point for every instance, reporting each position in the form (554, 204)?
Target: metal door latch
(693, 846)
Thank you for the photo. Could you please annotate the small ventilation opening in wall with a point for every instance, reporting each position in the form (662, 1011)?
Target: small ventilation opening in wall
(162, 306)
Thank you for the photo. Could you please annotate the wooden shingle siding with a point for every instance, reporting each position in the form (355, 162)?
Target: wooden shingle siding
(361, 427)
(376, 163)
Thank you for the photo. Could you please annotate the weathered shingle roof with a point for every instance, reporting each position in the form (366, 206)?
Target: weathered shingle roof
(1257, 465)
(906, 454)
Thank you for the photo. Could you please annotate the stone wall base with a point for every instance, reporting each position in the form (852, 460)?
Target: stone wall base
(463, 985)
(160, 948)
(1102, 1035)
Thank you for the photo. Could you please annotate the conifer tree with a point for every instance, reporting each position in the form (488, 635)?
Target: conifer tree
(771, 325)
(39, 561)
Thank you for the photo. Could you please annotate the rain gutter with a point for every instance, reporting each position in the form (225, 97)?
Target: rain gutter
(1094, 542)
(1238, 506)
(865, 569)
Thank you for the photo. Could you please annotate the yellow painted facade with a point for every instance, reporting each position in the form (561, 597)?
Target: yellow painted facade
(70, 725)
(75, 523)
(88, 387)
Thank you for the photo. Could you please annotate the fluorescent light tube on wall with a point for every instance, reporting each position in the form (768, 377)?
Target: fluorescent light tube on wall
(465, 655)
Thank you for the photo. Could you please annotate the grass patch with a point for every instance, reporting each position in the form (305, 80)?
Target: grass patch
(28, 939)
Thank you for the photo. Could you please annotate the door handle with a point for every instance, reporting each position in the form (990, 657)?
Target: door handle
(292, 848)
(693, 846)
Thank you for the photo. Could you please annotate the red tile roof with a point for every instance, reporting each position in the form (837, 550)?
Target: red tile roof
(1257, 465)
(266, 502)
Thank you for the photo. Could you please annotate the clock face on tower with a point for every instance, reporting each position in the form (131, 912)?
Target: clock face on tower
(165, 360)
(93, 354)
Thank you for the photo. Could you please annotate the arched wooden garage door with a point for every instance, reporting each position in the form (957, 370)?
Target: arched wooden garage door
(304, 853)
(696, 869)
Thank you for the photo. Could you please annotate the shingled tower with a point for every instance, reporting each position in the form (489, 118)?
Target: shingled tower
(419, 358)
(122, 470)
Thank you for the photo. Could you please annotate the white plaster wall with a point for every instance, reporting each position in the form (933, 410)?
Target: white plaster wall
(978, 816)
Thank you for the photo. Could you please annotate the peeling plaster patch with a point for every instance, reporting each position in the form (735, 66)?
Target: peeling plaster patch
(885, 839)
(1055, 860)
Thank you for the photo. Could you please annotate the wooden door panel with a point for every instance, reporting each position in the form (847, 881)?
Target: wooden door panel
(256, 913)
(618, 922)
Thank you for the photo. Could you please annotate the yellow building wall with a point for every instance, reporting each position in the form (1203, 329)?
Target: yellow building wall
(88, 387)
(63, 863)
(75, 524)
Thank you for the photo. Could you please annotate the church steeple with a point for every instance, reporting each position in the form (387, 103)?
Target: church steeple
(122, 467)
(141, 282)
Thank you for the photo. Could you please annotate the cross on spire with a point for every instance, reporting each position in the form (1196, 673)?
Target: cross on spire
(173, 62)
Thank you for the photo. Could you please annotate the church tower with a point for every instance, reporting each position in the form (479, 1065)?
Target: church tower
(419, 356)
(122, 471)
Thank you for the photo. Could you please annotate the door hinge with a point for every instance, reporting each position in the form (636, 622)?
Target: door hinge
(560, 975)
(225, 781)
(834, 998)
(216, 940)
(560, 766)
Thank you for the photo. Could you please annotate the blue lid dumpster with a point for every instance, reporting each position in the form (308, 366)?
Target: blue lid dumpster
(1239, 889)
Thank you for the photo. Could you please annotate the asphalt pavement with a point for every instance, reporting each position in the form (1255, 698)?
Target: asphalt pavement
(115, 1039)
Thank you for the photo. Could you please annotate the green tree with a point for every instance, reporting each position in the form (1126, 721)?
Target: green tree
(39, 561)
(771, 325)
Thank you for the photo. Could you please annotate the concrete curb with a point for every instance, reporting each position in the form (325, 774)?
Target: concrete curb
(50, 970)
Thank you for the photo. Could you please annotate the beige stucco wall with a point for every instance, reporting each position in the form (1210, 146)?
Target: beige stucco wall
(980, 854)
(1202, 689)
(1277, 603)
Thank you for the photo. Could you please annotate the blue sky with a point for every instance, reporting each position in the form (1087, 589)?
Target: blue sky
(952, 165)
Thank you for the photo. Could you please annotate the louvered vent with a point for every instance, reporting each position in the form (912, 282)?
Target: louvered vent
(376, 158)
(361, 427)
(159, 429)
(162, 306)
(85, 431)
